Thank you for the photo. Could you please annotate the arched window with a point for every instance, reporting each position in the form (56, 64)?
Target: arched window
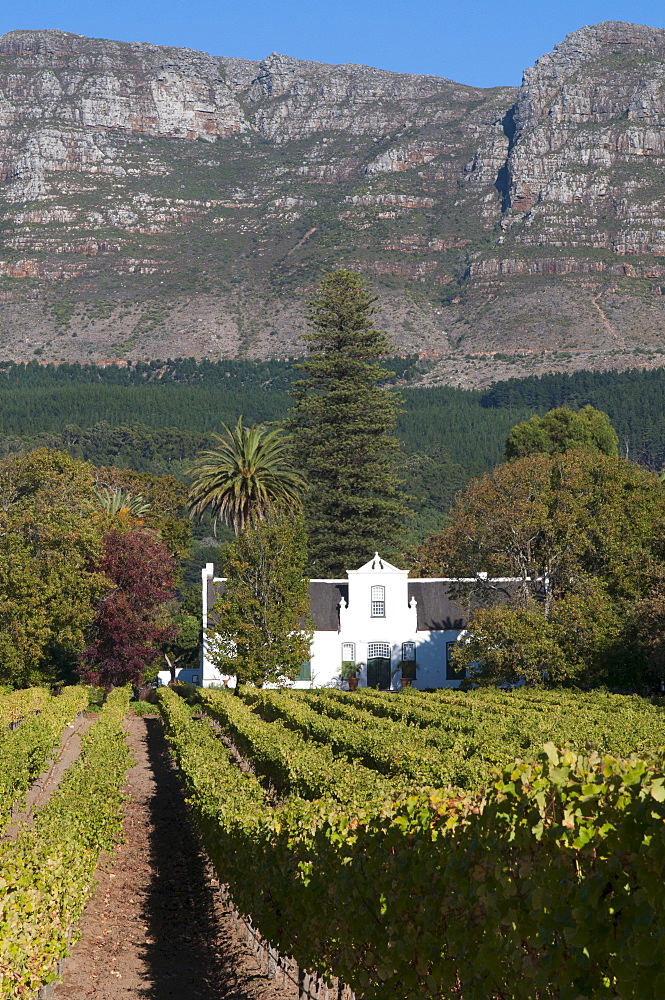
(378, 602)
(378, 649)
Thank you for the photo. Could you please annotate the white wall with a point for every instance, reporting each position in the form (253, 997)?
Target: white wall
(326, 659)
(400, 624)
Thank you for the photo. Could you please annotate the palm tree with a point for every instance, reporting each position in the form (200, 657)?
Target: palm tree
(120, 503)
(239, 479)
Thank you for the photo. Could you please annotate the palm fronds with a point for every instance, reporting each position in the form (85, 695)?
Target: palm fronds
(121, 503)
(248, 470)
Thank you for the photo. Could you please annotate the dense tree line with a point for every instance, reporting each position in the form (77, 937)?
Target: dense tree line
(155, 417)
(197, 397)
(154, 450)
(50, 409)
(633, 400)
(278, 375)
(178, 371)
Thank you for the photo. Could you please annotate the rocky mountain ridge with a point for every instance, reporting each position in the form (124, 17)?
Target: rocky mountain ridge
(158, 201)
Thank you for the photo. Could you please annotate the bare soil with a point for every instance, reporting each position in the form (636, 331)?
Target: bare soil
(157, 927)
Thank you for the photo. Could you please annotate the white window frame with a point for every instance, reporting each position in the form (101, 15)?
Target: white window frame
(378, 607)
(350, 648)
(376, 650)
(409, 652)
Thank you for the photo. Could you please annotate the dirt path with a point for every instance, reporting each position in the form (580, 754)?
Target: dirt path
(156, 928)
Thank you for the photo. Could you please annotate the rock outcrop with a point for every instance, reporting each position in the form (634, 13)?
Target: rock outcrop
(588, 142)
(160, 201)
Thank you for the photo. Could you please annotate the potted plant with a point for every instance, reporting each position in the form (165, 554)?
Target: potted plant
(408, 670)
(349, 673)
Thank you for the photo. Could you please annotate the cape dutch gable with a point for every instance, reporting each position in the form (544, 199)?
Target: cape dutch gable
(378, 617)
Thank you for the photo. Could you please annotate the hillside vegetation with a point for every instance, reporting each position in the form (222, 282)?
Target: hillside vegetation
(153, 416)
(195, 213)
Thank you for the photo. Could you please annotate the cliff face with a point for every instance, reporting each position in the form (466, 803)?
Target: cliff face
(586, 144)
(158, 201)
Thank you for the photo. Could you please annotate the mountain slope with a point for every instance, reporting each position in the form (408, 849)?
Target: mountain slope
(158, 201)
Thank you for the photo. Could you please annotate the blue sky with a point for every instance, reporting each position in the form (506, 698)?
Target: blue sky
(474, 42)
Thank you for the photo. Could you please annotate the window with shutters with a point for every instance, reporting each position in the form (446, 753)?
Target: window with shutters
(305, 671)
(348, 652)
(378, 602)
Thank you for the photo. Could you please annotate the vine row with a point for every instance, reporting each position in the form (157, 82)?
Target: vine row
(548, 883)
(25, 751)
(47, 872)
(292, 765)
(17, 704)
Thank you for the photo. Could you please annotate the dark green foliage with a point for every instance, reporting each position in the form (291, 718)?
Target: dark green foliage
(584, 641)
(633, 400)
(583, 534)
(49, 546)
(183, 648)
(137, 447)
(156, 417)
(342, 425)
(561, 429)
(178, 371)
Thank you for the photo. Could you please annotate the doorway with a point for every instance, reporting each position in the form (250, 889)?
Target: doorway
(378, 673)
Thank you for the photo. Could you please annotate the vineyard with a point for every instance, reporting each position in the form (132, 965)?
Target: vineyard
(47, 870)
(480, 845)
(540, 878)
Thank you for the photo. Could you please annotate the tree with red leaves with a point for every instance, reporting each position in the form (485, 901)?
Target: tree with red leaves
(126, 634)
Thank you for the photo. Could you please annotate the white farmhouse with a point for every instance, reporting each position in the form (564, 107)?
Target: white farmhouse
(377, 617)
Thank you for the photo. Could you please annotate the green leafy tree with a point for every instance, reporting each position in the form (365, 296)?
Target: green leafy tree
(511, 644)
(552, 521)
(583, 640)
(646, 625)
(342, 425)
(263, 629)
(250, 469)
(593, 631)
(50, 542)
(581, 532)
(561, 429)
(183, 648)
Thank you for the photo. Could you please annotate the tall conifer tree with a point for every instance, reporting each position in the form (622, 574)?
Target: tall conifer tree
(342, 425)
